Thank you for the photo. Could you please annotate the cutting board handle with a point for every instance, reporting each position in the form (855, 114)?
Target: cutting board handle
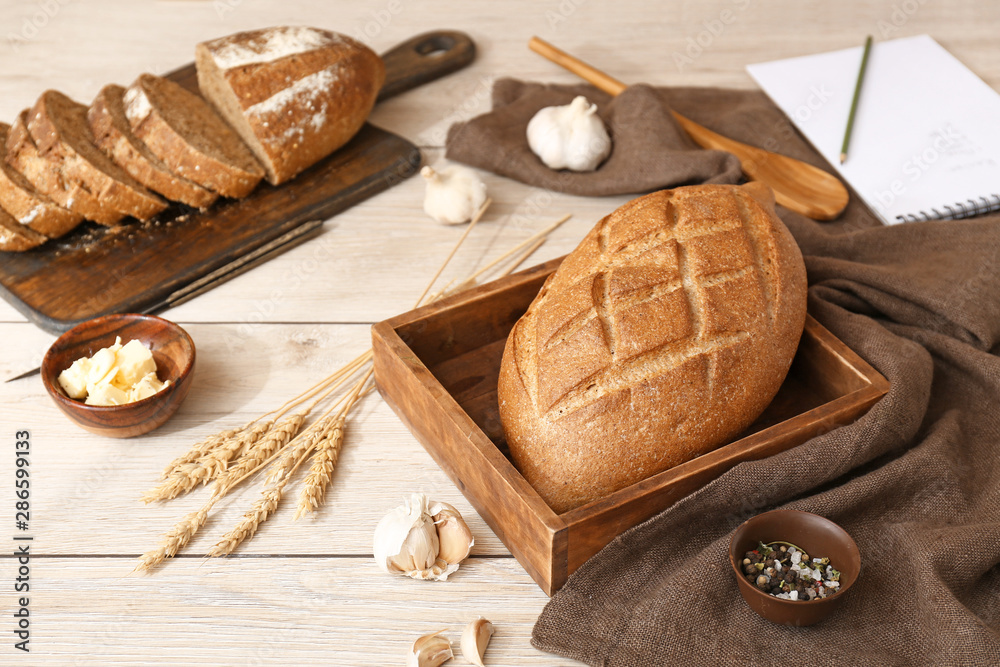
(424, 58)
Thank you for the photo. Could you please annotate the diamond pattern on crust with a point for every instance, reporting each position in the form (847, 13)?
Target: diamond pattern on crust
(694, 248)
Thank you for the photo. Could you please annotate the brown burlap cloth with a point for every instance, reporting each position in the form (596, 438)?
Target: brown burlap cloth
(916, 481)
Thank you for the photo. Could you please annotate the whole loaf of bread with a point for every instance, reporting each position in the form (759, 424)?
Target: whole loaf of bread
(661, 337)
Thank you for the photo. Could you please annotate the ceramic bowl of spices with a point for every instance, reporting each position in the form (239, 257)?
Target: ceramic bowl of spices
(141, 411)
(792, 567)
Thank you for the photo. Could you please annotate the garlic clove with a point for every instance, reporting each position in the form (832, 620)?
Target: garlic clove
(419, 550)
(454, 536)
(430, 651)
(406, 539)
(475, 638)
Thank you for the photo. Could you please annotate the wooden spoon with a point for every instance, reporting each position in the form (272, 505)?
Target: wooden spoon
(798, 186)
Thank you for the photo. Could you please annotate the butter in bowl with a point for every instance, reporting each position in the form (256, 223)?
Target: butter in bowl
(120, 375)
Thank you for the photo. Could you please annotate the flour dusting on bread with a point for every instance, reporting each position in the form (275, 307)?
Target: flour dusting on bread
(270, 45)
(30, 217)
(137, 106)
(304, 104)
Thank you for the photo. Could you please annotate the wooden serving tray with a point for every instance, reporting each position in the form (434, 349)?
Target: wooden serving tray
(147, 266)
(437, 367)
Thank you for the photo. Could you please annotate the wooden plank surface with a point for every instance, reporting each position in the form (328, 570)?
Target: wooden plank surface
(270, 611)
(307, 592)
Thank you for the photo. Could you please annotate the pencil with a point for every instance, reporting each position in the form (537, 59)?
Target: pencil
(854, 102)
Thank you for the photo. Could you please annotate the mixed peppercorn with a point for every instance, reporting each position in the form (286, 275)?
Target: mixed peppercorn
(785, 571)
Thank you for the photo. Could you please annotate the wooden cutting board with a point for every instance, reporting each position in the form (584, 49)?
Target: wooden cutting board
(148, 266)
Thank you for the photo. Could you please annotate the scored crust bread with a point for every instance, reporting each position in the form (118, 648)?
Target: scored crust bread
(46, 175)
(114, 136)
(662, 336)
(182, 130)
(27, 205)
(61, 131)
(295, 94)
(15, 237)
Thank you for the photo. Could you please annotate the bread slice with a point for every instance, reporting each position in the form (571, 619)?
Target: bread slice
(45, 174)
(59, 127)
(15, 237)
(295, 94)
(113, 135)
(181, 129)
(27, 205)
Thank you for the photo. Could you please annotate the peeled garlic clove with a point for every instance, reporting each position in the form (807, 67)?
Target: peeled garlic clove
(406, 538)
(569, 137)
(430, 651)
(475, 638)
(454, 536)
(453, 194)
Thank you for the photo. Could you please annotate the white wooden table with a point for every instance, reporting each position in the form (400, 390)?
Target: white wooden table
(309, 592)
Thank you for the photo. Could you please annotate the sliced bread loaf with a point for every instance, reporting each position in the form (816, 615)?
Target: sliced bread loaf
(15, 237)
(113, 134)
(295, 94)
(29, 206)
(181, 129)
(45, 174)
(60, 129)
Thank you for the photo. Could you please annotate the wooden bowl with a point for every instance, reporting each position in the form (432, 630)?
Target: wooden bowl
(174, 354)
(819, 537)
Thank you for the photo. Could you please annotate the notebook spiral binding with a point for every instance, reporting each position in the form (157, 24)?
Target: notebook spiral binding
(956, 211)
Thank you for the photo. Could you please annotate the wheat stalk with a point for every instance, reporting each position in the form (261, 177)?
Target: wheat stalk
(209, 466)
(321, 470)
(201, 449)
(261, 510)
(324, 387)
(303, 443)
(532, 243)
(175, 540)
(217, 446)
(261, 451)
(325, 435)
(461, 239)
(327, 452)
(246, 528)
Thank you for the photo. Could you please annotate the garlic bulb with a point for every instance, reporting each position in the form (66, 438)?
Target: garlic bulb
(475, 638)
(422, 540)
(453, 194)
(430, 651)
(569, 137)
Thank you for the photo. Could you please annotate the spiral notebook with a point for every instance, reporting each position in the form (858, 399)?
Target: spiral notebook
(926, 139)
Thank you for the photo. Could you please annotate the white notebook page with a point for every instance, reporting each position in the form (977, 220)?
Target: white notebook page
(926, 138)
